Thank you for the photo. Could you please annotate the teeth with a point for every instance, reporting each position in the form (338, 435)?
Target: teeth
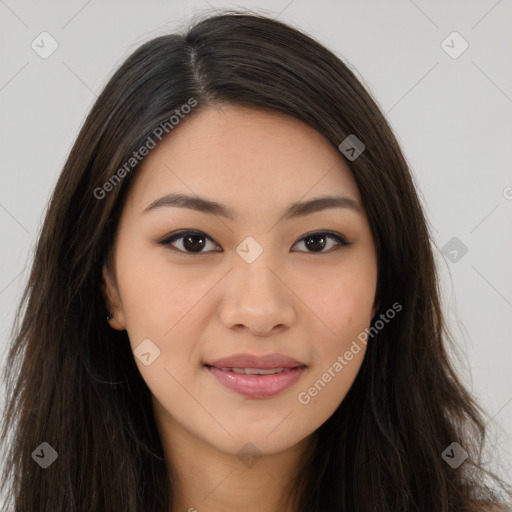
(254, 371)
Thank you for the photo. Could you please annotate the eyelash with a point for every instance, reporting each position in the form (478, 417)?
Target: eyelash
(182, 234)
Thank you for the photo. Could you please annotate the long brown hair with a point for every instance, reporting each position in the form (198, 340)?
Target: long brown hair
(72, 381)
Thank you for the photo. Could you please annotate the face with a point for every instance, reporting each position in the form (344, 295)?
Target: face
(244, 279)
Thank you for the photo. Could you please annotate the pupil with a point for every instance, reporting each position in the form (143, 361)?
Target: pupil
(192, 245)
(312, 238)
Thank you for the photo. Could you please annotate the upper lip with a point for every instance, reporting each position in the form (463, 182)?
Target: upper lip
(253, 361)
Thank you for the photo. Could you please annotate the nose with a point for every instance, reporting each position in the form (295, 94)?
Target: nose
(257, 300)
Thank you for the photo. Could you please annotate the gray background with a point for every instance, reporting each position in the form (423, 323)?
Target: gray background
(452, 117)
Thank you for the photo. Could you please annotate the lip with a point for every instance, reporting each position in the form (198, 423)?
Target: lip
(263, 362)
(257, 386)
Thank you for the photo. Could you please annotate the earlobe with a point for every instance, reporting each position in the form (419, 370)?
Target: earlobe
(115, 316)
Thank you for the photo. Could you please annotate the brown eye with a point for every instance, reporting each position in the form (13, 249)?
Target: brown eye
(191, 242)
(316, 242)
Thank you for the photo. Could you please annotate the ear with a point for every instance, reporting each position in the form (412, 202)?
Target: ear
(112, 301)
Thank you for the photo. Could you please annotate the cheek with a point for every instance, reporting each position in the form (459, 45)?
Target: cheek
(345, 311)
(342, 301)
(162, 304)
(155, 294)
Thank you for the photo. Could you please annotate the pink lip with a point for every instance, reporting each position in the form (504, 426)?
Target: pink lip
(257, 386)
(251, 361)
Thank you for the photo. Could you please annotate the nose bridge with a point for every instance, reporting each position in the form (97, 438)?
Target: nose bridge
(254, 271)
(257, 296)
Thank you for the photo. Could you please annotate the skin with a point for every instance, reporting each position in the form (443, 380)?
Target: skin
(196, 307)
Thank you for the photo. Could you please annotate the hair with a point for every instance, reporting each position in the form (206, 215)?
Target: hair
(72, 381)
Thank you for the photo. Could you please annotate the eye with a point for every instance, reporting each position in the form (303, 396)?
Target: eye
(192, 242)
(317, 241)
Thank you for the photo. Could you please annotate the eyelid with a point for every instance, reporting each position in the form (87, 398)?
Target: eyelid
(167, 240)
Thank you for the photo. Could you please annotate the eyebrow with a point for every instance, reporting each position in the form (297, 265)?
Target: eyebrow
(215, 208)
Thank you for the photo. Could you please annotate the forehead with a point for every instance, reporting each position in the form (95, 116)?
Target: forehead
(243, 157)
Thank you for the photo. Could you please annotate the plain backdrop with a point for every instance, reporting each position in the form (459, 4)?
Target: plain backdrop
(451, 112)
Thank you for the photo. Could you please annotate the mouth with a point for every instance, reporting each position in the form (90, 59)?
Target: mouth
(256, 377)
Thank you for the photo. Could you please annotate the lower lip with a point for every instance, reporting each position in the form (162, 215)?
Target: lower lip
(257, 386)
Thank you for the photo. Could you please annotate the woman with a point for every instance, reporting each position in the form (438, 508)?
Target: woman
(238, 209)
